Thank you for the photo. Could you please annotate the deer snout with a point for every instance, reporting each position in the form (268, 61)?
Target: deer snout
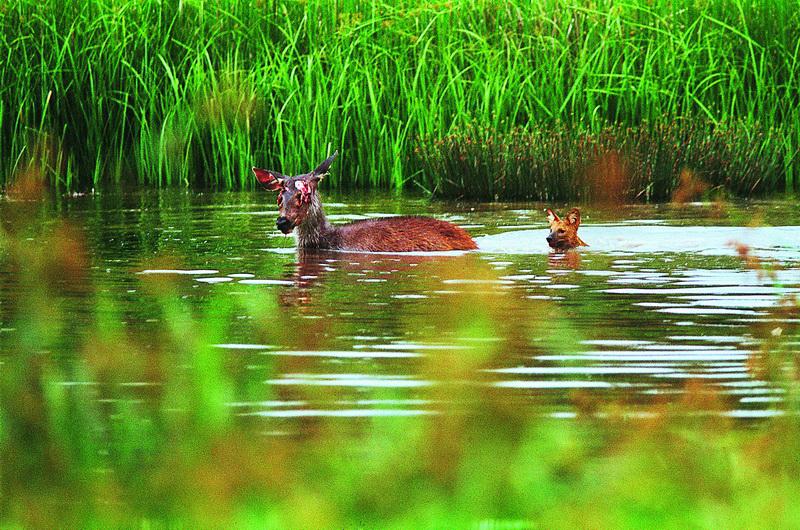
(284, 224)
(557, 242)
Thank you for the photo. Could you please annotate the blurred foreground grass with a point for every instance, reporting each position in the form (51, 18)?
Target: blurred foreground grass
(104, 426)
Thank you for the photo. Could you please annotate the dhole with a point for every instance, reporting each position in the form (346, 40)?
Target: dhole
(301, 208)
(564, 233)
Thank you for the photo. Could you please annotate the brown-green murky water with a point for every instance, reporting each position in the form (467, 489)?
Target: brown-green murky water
(659, 297)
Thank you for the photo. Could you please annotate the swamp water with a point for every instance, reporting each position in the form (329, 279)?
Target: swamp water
(660, 297)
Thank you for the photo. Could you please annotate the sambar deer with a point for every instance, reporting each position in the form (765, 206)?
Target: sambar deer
(301, 208)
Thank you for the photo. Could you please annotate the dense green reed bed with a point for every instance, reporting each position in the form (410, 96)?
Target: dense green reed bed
(681, 159)
(195, 92)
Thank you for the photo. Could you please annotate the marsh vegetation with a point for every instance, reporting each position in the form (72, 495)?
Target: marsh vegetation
(168, 358)
(195, 92)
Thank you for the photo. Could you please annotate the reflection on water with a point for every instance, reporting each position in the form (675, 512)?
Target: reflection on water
(658, 298)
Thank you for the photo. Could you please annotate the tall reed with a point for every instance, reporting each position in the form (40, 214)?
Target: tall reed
(194, 92)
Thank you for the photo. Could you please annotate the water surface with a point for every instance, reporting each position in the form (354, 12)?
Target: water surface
(660, 297)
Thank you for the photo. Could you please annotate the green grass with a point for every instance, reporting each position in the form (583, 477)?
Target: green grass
(195, 92)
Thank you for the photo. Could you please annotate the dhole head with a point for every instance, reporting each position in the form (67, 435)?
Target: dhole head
(564, 232)
(295, 194)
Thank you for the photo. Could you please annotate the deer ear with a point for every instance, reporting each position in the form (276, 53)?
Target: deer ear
(574, 217)
(314, 179)
(271, 180)
(324, 166)
(551, 216)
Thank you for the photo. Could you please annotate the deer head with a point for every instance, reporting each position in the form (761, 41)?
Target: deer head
(296, 195)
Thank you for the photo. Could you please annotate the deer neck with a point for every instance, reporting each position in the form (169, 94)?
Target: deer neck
(315, 231)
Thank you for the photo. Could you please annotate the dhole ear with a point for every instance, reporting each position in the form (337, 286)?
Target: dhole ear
(322, 169)
(574, 217)
(551, 216)
(271, 180)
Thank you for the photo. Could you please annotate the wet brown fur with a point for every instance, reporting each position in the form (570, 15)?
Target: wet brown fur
(564, 232)
(403, 234)
(300, 205)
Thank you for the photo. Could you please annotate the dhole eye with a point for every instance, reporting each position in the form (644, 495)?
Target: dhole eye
(561, 230)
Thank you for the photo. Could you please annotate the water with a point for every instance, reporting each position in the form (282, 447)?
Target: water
(660, 297)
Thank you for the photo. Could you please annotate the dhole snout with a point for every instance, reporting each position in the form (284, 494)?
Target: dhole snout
(564, 232)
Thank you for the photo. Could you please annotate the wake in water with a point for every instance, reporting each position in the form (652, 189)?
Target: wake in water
(775, 242)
